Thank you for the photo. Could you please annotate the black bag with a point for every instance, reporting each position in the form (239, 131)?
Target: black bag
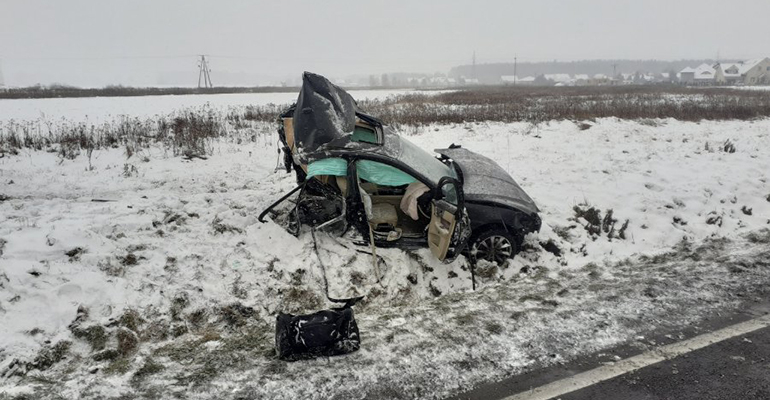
(325, 333)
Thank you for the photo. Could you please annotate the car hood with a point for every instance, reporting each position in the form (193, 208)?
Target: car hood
(485, 181)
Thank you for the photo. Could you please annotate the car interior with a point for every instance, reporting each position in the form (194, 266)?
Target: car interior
(397, 205)
(394, 209)
(389, 214)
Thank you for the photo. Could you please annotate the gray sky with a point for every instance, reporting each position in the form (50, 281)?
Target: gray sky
(137, 42)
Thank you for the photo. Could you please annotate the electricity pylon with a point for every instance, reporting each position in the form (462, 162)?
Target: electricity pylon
(204, 72)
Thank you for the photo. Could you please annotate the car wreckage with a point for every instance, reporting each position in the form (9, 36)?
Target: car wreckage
(354, 171)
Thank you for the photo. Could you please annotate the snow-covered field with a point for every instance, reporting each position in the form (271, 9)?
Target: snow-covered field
(167, 286)
(98, 109)
(748, 87)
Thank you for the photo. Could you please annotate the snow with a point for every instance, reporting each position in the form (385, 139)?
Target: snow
(705, 72)
(561, 78)
(98, 109)
(747, 65)
(761, 88)
(637, 171)
(178, 233)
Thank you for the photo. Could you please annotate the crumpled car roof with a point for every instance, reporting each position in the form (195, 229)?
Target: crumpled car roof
(323, 113)
(325, 118)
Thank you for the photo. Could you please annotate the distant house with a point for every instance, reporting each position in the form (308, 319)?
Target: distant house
(730, 73)
(582, 79)
(704, 75)
(509, 79)
(756, 72)
(687, 75)
(639, 78)
(751, 72)
(527, 80)
(541, 80)
(601, 80)
(560, 79)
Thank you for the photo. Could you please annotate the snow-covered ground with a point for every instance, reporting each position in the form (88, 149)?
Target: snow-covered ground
(170, 287)
(98, 109)
(747, 87)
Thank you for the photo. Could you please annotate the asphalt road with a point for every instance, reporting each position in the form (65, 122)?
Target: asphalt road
(735, 369)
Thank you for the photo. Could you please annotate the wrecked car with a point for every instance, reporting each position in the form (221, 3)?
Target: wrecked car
(354, 171)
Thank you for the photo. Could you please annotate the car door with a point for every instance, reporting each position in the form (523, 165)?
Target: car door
(449, 227)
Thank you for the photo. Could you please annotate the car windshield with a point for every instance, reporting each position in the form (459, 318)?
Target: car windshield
(423, 161)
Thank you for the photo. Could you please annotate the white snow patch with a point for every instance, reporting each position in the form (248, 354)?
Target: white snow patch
(188, 228)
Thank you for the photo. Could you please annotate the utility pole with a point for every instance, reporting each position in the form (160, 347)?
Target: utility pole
(204, 72)
(614, 70)
(515, 77)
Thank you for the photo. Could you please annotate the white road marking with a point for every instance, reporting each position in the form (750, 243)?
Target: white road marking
(606, 372)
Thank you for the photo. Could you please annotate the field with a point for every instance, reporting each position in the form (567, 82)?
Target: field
(132, 264)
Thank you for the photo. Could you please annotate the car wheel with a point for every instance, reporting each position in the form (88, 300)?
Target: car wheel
(494, 246)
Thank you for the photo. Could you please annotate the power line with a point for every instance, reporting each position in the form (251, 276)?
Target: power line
(86, 58)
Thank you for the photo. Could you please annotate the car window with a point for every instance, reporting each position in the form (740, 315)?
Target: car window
(364, 134)
(424, 162)
(449, 190)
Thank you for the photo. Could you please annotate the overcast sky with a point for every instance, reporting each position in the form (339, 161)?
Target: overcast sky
(139, 42)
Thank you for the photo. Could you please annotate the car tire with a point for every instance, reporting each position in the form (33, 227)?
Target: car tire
(494, 245)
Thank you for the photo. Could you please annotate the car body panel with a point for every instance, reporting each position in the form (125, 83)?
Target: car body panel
(486, 181)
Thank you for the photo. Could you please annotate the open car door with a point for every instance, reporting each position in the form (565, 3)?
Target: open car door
(449, 227)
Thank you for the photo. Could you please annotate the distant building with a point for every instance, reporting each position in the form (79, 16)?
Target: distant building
(509, 79)
(515, 80)
(527, 80)
(729, 73)
(687, 75)
(600, 80)
(560, 79)
(582, 79)
(751, 72)
(756, 72)
(705, 75)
